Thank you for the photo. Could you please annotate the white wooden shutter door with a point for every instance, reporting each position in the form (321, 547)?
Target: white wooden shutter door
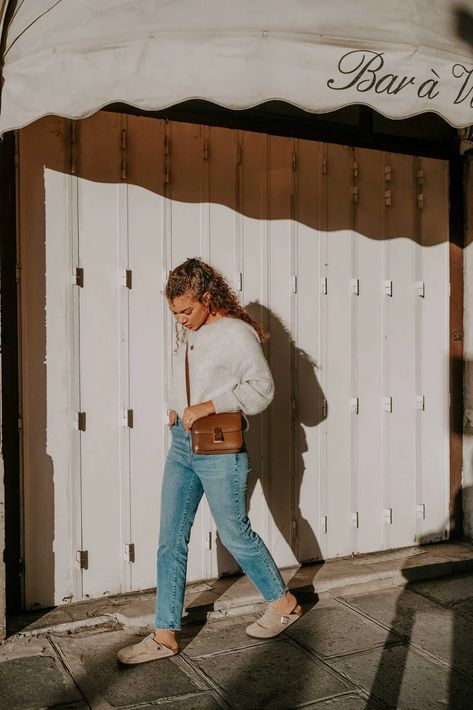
(342, 253)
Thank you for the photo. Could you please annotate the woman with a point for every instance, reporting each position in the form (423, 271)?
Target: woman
(228, 372)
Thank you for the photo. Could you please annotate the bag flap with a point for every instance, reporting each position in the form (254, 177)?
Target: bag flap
(227, 421)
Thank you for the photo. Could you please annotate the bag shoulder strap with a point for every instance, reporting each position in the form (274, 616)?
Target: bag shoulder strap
(188, 387)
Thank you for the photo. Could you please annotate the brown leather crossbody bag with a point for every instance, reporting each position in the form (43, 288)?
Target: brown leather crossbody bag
(215, 433)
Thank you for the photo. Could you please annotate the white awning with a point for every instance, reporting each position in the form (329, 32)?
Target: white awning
(401, 57)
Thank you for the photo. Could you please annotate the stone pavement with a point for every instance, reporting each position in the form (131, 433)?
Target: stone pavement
(366, 644)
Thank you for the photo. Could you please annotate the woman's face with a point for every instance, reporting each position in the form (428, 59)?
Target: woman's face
(190, 312)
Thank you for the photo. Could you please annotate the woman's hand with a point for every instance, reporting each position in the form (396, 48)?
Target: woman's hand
(197, 411)
(172, 414)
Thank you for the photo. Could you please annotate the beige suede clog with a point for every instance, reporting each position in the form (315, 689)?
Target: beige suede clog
(272, 623)
(146, 650)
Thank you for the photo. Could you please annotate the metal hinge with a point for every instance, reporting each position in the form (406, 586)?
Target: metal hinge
(323, 524)
(355, 286)
(355, 169)
(420, 289)
(324, 408)
(20, 423)
(294, 162)
(129, 418)
(80, 276)
(294, 529)
(421, 511)
(387, 173)
(208, 541)
(420, 402)
(82, 557)
(387, 198)
(420, 200)
(355, 519)
(238, 154)
(388, 516)
(81, 421)
(239, 281)
(293, 408)
(324, 285)
(355, 404)
(354, 193)
(294, 283)
(324, 166)
(18, 273)
(128, 278)
(388, 288)
(206, 149)
(130, 552)
(388, 404)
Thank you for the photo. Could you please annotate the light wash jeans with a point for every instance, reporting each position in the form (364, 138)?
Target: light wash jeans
(223, 479)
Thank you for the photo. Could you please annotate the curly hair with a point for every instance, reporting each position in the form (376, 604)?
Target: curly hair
(196, 277)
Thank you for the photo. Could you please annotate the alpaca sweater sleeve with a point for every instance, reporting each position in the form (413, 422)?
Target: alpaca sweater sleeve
(226, 365)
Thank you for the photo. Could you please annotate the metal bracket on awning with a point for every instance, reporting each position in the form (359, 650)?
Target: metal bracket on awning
(466, 139)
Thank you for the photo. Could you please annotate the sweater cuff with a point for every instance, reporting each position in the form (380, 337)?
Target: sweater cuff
(225, 402)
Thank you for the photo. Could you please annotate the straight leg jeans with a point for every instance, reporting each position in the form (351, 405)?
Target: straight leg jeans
(223, 479)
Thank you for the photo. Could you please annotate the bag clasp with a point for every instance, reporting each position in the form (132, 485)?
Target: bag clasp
(217, 434)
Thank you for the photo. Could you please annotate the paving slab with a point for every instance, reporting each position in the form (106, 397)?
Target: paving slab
(20, 647)
(343, 702)
(404, 679)
(92, 659)
(435, 628)
(202, 701)
(331, 629)
(91, 612)
(465, 607)
(36, 682)
(449, 590)
(426, 563)
(274, 675)
(454, 551)
(216, 636)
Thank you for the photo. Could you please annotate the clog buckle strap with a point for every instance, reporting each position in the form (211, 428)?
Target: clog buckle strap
(271, 624)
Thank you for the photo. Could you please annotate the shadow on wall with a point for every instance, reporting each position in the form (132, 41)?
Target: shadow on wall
(284, 465)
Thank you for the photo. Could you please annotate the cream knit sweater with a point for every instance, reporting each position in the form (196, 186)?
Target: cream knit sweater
(226, 365)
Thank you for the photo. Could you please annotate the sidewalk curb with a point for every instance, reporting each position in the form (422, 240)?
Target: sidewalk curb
(249, 601)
